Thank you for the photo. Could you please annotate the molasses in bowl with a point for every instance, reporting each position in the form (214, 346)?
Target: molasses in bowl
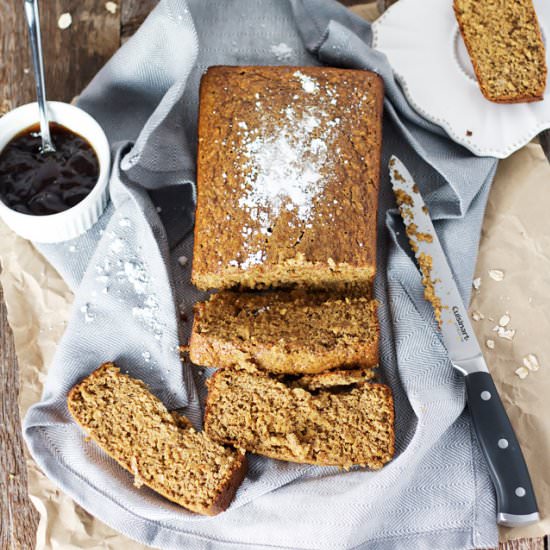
(57, 196)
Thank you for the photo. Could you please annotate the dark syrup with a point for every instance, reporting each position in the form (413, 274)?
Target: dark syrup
(41, 184)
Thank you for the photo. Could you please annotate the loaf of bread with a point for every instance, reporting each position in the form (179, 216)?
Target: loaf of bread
(505, 45)
(161, 449)
(287, 332)
(339, 426)
(287, 177)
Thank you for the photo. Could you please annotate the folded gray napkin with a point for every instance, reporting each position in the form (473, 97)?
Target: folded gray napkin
(133, 300)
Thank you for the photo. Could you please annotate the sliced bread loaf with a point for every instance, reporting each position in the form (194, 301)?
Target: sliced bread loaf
(505, 45)
(161, 449)
(338, 426)
(285, 332)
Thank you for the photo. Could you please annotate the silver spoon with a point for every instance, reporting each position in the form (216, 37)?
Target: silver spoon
(33, 25)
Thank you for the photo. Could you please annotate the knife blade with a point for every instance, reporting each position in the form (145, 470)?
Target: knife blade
(516, 502)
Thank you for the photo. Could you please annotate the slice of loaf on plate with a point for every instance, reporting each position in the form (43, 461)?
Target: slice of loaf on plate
(285, 332)
(161, 449)
(340, 426)
(505, 45)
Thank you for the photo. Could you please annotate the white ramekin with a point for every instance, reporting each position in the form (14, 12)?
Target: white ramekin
(79, 218)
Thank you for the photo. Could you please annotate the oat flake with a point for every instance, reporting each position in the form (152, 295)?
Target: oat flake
(522, 372)
(507, 334)
(490, 344)
(65, 20)
(477, 316)
(476, 283)
(111, 7)
(531, 362)
(504, 320)
(496, 274)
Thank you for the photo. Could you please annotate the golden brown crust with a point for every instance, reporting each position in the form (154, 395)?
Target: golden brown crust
(536, 93)
(227, 487)
(337, 244)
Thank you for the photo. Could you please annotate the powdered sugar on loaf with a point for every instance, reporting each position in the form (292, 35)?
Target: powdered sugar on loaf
(284, 168)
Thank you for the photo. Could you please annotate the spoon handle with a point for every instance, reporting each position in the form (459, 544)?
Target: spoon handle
(33, 25)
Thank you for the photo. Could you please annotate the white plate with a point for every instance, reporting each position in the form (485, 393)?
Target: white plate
(425, 48)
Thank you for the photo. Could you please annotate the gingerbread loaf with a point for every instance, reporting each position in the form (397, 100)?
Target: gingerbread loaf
(161, 449)
(287, 177)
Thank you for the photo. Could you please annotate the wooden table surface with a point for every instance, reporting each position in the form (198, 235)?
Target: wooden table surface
(72, 57)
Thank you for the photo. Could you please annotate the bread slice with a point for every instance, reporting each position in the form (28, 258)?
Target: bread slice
(285, 332)
(505, 45)
(161, 449)
(339, 427)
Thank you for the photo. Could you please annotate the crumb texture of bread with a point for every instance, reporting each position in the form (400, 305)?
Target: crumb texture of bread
(332, 379)
(505, 45)
(287, 177)
(161, 449)
(287, 332)
(334, 427)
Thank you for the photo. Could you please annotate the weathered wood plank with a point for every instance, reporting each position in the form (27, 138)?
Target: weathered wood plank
(18, 518)
(132, 15)
(72, 56)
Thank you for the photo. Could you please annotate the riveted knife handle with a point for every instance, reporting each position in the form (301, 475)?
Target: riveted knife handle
(516, 503)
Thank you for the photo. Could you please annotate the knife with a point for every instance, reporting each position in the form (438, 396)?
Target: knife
(516, 503)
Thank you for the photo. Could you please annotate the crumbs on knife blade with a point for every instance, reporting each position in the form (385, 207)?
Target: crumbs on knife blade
(425, 261)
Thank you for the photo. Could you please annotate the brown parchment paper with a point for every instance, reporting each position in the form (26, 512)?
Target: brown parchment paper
(515, 240)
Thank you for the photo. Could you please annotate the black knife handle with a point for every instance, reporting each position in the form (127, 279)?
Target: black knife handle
(516, 503)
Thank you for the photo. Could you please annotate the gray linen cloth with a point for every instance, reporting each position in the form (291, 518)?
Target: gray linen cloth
(133, 300)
